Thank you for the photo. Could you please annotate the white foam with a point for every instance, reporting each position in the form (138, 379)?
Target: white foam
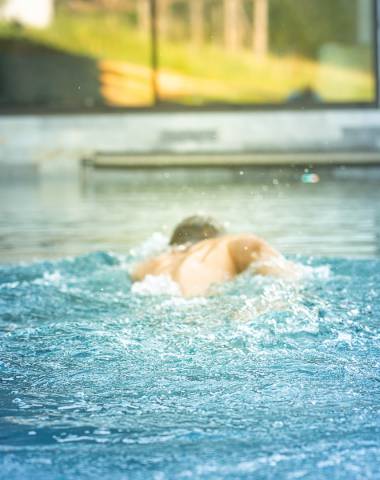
(49, 278)
(290, 270)
(155, 244)
(156, 285)
(323, 272)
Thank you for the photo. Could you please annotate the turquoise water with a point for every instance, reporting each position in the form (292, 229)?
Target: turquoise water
(263, 379)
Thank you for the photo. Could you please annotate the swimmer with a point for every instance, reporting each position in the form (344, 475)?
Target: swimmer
(201, 254)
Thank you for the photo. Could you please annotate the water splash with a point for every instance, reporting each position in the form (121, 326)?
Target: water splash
(263, 378)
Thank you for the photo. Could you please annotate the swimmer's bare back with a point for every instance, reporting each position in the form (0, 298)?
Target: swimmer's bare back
(215, 260)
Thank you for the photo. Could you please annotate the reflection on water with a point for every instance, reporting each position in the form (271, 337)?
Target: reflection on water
(117, 210)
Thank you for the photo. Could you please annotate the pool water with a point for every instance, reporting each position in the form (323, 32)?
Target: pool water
(261, 379)
(339, 216)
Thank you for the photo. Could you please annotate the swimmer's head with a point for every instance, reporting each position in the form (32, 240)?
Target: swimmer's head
(195, 229)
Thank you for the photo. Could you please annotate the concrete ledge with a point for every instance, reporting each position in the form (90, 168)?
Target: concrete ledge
(122, 160)
(56, 143)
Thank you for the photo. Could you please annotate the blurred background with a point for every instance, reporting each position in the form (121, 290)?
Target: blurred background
(120, 117)
(88, 54)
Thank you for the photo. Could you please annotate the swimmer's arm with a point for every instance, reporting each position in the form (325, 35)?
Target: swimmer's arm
(254, 253)
(143, 269)
(161, 265)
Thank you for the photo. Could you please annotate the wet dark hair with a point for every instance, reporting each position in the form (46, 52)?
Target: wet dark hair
(195, 229)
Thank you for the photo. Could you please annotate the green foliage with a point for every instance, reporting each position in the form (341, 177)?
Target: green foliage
(213, 74)
(303, 26)
(96, 35)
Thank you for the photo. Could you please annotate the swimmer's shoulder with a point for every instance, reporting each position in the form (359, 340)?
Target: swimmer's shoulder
(222, 240)
(245, 242)
(157, 265)
(247, 248)
(228, 244)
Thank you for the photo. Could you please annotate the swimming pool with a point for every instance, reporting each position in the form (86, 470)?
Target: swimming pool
(116, 211)
(262, 379)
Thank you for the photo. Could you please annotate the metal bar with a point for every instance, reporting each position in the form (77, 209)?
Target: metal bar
(154, 50)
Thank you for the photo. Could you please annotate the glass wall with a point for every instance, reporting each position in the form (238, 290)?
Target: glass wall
(75, 54)
(266, 51)
(97, 54)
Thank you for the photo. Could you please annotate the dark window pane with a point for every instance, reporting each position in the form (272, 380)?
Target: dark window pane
(77, 54)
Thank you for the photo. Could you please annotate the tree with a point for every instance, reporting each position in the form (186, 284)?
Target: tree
(143, 15)
(163, 17)
(260, 29)
(197, 21)
(232, 24)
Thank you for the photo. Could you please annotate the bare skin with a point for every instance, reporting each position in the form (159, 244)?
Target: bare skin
(196, 267)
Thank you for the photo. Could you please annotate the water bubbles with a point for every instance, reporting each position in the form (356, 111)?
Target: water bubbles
(156, 285)
(153, 245)
(354, 312)
(345, 338)
(102, 431)
(278, 424)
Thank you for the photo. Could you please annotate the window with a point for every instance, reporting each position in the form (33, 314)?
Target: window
(99, 54)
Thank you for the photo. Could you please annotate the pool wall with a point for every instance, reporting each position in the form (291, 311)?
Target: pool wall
(53, 144)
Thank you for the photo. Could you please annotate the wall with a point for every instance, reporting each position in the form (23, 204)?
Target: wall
(55, 144)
